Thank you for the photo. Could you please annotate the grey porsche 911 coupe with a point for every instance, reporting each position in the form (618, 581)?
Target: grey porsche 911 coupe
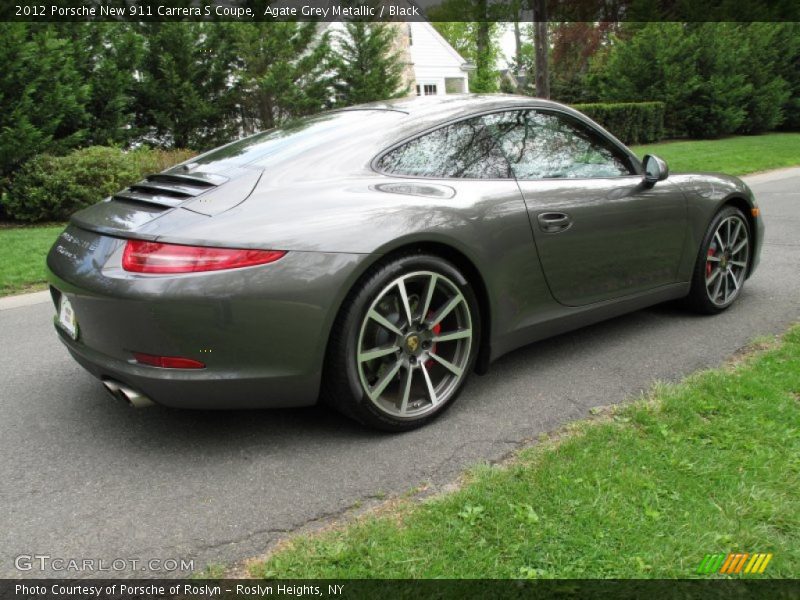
(374, 257)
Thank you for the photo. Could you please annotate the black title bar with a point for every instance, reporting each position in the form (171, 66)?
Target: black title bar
(400, 10)
(563, 589)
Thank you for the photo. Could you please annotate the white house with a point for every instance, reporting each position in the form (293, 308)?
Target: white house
(433, 67)
(438, 68)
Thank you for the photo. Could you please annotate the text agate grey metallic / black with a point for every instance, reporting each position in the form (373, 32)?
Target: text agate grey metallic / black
(551, 221)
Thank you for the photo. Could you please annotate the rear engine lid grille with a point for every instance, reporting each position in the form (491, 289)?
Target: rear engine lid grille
(167, 200)
(144, 198)
(170, 189)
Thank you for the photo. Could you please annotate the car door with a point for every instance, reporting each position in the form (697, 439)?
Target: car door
(468, 199)
(600, 232)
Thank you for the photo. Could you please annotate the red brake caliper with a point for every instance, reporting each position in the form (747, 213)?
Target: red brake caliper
(708, 263)
(436, 329)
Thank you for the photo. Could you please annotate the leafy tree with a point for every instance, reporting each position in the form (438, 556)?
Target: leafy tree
(478, 43)
(42, 95)
(282, 71)
(367, 65)
(107, 56)
(472, 28)
(692, 68)
(185, 98)
(787, 43)
(522, 65)
(486, 52)
(759, 61)
(574, 45)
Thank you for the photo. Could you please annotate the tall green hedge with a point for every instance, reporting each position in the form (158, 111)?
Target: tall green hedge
(715, 79)
(631, 122)
(51, 188)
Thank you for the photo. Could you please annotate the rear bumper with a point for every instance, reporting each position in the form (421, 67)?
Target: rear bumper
(199, 389)
(261, 331)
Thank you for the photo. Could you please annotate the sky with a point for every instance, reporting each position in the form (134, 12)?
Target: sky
(506, 45)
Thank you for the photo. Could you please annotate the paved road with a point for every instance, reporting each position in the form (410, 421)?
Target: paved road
(85, 477)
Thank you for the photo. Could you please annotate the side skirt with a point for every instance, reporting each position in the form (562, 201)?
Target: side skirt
(583, 316)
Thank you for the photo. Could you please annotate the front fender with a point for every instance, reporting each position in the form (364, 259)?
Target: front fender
(706, 194)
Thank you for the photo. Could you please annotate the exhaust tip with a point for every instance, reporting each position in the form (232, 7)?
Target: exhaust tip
(128, 395)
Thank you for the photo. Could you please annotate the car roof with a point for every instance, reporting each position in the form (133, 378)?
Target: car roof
(349, 143)
(421, 113)
(456, 105)
(424, 112)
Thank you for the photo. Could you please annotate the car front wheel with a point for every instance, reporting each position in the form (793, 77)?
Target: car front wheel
(723, 262)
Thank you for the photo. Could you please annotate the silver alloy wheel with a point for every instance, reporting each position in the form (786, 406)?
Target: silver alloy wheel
(726, 261)
(414, 345)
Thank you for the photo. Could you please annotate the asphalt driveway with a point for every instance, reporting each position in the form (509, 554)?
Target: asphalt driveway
(84, 477)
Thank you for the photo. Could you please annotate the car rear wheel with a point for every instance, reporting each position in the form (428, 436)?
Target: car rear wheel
(723, 262)
(404, 344)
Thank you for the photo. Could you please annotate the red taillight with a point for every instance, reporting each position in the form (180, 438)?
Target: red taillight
(155, 257)
(167, 362)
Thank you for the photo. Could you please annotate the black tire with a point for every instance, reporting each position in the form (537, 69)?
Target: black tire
(700, 296)
(343, 385)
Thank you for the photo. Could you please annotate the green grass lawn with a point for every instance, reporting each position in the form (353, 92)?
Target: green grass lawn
(735, 156)
(711, 465)
(22, 254)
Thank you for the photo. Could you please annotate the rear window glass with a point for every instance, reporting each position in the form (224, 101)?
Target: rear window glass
(465, 149)
(296, 136)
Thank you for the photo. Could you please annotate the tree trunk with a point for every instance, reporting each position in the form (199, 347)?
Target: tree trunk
(518, 53)
(483, 38)
(542, 48)
(482, 62)
(266, 112)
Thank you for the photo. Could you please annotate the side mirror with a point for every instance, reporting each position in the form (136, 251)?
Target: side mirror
(655, 169)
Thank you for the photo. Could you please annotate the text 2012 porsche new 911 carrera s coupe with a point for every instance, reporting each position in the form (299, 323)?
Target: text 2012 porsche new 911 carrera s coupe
(373, 257)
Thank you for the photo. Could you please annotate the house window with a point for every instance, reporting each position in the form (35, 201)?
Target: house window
(454, 85)
(429, 89)
(418, 91)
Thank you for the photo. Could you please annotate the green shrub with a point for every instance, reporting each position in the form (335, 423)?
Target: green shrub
(631, 122)
(764, 49)
(51, 188)
(699, 70)
(789, 45)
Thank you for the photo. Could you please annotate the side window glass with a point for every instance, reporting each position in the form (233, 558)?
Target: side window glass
(462, 150)
(542, 145)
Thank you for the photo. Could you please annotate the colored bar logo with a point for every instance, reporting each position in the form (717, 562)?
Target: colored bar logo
(734, 563)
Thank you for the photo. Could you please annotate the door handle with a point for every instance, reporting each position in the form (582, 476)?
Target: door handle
(553, 222)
